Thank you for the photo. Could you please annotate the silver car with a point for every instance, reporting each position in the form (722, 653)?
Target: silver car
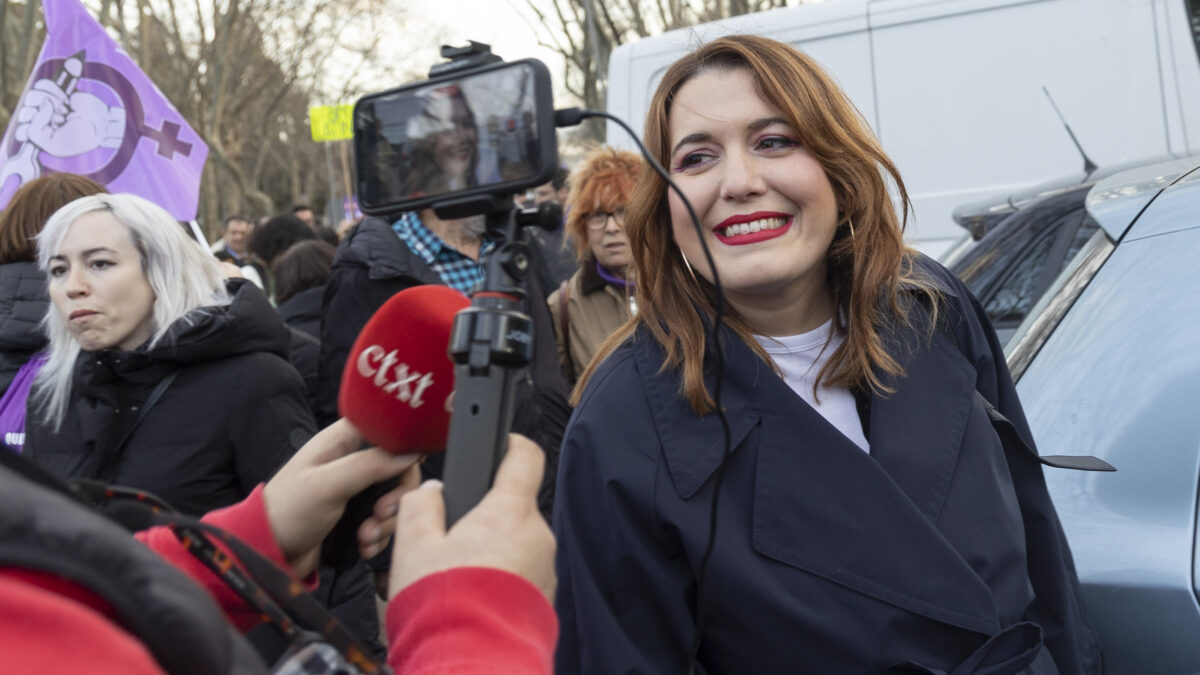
(1108, 364)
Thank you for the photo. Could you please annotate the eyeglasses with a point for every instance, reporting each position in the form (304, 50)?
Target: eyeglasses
(598, 220)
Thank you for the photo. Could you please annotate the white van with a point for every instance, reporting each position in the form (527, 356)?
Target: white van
(954, 88)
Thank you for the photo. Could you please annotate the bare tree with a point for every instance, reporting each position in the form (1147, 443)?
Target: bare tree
(21, 33)
(242, 72)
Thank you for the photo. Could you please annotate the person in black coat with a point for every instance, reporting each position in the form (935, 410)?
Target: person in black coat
(23, 299)
(843, 482)
(161, 375)
(165, 377)
(298, 277)
(376, 261)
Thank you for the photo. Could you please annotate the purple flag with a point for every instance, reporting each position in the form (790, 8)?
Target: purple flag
(88, 109)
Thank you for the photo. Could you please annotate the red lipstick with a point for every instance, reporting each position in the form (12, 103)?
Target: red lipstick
(753, 237)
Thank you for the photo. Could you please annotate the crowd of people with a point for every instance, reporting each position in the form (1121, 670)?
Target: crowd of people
(757, 432)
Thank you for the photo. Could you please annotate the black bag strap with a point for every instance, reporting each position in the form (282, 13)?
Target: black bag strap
(282, 602)
(1007, 431)
(106, 470)
(1009, 436)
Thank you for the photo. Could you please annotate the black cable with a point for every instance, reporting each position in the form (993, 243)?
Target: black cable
(571, 117)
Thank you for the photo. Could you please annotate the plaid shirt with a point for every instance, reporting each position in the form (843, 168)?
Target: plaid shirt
(457, 270)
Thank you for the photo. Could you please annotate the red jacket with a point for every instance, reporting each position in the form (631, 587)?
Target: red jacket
(466, 620)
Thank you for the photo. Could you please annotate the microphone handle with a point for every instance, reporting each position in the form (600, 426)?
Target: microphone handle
(340, 548)
(478, 439)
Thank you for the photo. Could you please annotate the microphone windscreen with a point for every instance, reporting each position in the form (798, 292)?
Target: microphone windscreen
(398, 378)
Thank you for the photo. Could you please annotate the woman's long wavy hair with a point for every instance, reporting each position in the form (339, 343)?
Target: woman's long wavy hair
(184, 277)
(867, 263)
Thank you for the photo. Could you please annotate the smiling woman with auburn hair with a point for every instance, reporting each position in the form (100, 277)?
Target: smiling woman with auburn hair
(844, 481)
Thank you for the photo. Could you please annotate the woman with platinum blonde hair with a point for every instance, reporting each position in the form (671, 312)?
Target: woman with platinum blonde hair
(162, 375)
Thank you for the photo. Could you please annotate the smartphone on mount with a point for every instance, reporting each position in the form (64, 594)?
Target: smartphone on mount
(468, 133)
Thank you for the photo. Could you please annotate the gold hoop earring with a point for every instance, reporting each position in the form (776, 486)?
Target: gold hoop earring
(850, 220)
(688, 265)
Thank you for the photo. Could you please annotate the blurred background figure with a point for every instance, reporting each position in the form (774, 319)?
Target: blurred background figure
(598, 298)
(23, 299)
(298, 278)
(325, 233)
(273, 237)
(234, 247)
(553, 259)
(305, 212)
(234, 237)
(555, 190)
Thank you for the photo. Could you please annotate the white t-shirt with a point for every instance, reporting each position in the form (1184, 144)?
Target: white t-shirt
(800, 359)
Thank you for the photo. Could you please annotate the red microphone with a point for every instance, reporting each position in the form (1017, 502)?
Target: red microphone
(396, 388)
(397, 382)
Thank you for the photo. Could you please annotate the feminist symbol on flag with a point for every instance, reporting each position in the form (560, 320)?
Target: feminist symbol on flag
(88, 109)
(87, 113)
(83, 111)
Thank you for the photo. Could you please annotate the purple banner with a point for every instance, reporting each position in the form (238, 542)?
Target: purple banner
(88, 109)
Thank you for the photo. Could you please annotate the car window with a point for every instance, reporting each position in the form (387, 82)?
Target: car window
(1086, 229)
(1193, 7)
(1017, 293)
(1045, 315)
(1010, 268)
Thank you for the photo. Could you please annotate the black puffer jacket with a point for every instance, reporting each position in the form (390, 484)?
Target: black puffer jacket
(372, 265)
(302, 314)
(233, 415)
(23, 303)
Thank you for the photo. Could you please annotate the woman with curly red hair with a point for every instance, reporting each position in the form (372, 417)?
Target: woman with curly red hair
(597, 299)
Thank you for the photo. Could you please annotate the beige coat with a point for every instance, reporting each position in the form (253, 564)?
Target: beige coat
(595, 309)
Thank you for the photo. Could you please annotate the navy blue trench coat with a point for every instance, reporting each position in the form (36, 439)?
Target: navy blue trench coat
(938, 552)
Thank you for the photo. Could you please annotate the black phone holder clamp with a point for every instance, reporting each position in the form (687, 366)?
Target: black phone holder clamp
(491, 344)
(472, 56)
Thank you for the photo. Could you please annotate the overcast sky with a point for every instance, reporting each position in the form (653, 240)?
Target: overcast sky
(499, 23)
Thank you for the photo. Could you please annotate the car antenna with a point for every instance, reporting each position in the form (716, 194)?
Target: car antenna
(1088, 165)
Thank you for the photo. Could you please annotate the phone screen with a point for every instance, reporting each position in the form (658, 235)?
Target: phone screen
(478, 133)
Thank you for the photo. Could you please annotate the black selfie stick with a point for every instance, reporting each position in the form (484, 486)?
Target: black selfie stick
(491, 343)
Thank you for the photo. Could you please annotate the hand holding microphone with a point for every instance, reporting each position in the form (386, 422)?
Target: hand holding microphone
(308, 495)
(396, 389)
(398, 372)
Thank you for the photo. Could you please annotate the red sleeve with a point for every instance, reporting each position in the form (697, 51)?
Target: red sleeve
(246, 520)
(471, 620)
(53, 633)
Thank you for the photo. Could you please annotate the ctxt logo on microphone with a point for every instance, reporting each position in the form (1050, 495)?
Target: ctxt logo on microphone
(382, 366)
